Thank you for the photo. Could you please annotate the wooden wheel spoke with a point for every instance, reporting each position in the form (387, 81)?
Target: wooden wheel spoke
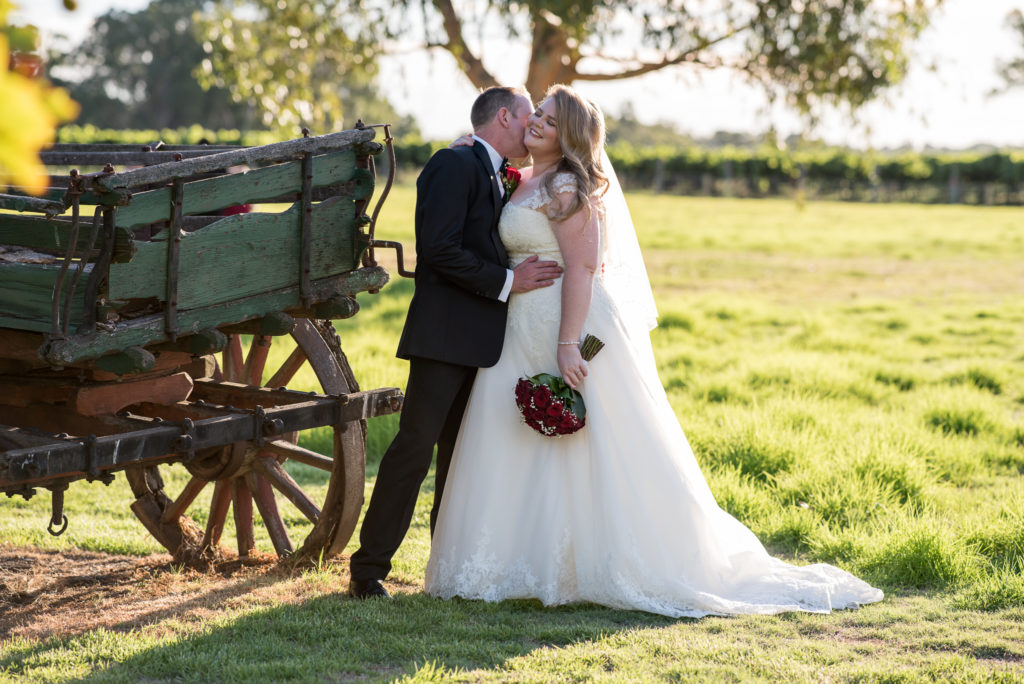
(184, 500)
(256, 360)
(284, 448)
(248, 476)
(263, 494)
(283, 482)
(233, 359)
(288, 369)
(218, 514)
(241, 504)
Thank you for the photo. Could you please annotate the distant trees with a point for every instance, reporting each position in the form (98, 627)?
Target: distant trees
(300, 62)
(134, 70)
(149, 70)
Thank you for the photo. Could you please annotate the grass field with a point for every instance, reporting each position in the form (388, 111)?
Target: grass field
(851, 378)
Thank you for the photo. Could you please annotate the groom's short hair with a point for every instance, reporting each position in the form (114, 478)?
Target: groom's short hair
(487, 103)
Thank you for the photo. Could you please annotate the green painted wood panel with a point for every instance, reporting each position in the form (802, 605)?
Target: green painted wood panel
(27, 290)
(151, 329)
(210, 194)
(242, 255)
(40, 233)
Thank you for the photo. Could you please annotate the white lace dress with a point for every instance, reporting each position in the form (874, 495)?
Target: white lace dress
(617, 514)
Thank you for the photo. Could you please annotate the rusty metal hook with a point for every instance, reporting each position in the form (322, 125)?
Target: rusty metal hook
(58, 521)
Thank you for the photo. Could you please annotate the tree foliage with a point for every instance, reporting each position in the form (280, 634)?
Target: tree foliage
(29, 116)
(303, 61)
(1013, 70)
(134, 70)
(807, 52)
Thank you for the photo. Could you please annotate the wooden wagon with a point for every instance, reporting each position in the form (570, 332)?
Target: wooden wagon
(136, 337)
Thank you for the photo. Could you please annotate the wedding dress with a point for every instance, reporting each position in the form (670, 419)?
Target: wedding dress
(617, 514)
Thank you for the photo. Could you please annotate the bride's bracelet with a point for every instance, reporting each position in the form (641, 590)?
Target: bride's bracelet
(560, 342)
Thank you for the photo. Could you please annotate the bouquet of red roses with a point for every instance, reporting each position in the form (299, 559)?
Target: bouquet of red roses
(548, 405)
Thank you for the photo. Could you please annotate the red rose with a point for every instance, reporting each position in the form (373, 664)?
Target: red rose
(568, 421)
(541, 397)
(522, 392)
(554, 410)
(512, 173)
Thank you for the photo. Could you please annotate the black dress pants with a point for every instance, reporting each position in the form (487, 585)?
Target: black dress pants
(435, 399)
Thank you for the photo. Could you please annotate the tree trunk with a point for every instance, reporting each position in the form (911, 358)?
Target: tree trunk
(551, 59)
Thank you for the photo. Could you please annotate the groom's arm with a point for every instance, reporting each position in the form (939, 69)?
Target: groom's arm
(442, 209)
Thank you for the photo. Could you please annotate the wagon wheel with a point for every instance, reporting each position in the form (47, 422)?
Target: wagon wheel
(245, 474)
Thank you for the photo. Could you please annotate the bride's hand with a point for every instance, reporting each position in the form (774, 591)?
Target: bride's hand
(462, 141)
(571, 365)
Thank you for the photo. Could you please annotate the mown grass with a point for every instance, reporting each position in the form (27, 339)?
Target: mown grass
(851, 379)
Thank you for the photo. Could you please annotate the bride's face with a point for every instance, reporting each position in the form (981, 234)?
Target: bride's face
(541, 133)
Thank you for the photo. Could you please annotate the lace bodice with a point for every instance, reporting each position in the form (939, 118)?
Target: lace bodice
(525, 228)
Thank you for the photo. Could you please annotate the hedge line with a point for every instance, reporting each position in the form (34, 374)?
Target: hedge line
(767, 170)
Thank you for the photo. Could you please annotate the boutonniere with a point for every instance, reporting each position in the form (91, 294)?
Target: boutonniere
(510, 178)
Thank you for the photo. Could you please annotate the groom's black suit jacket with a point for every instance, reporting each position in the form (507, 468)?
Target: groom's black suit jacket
(461, 265)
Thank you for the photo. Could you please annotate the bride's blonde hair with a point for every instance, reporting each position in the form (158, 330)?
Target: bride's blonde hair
(580, 126)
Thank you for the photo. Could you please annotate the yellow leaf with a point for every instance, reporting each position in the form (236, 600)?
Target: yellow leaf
(28, 122)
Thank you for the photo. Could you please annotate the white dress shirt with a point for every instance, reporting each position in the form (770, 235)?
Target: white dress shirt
(496, 164)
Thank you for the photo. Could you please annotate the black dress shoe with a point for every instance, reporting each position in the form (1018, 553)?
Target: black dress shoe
(364, 589)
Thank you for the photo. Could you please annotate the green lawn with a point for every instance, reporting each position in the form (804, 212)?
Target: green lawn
(851, 379)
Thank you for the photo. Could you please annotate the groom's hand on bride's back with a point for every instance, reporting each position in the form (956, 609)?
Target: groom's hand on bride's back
(534, 273)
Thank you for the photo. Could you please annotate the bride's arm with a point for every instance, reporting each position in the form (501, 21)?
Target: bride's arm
(578, 239)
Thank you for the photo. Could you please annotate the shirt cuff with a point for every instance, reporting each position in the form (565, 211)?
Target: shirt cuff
(507, 290)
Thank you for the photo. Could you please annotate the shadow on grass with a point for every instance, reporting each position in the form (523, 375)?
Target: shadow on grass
(332, 637)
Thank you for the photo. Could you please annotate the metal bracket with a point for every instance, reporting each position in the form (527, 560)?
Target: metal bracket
(259, 417)
(400, 255)
(306, 228)
(92, 469)
(173, 249)
(100, 271)
(75, 193)
(185, 444)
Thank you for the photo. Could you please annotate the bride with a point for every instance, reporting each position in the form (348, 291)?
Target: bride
(618, 513)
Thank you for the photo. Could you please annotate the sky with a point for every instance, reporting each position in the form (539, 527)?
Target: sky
(945, 106)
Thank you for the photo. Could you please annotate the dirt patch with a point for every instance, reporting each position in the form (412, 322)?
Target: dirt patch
(49, 593)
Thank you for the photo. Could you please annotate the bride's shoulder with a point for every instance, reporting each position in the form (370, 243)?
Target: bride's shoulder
(563, 181)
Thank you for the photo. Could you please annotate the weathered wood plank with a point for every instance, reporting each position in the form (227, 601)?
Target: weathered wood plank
(163, 361)
(107, 399)
(162, 173)
(53, 236)
(151, 328)
(119, 157)
(21, 346)
(27, 290)
(260, 185)
(58, 189)
(242, 255)
(23, 203)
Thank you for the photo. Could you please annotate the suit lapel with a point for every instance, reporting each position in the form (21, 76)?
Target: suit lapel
(485, 160)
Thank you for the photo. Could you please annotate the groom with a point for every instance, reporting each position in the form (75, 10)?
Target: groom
(456, 320)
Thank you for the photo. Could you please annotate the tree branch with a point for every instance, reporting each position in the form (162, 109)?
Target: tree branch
(468, 62)
(690, 56)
